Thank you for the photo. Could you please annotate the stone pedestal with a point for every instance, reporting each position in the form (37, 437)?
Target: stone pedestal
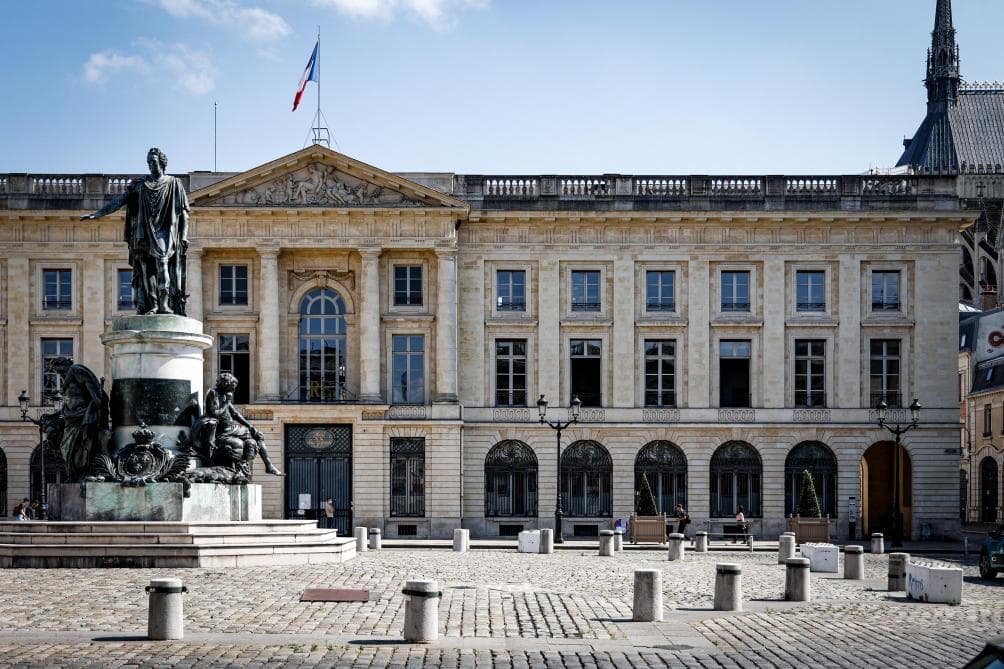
(93, 501)
(156, 370)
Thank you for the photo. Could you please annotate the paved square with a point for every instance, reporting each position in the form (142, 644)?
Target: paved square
(499, 609)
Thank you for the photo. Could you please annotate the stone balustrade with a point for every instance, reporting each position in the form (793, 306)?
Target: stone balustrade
(605, 192)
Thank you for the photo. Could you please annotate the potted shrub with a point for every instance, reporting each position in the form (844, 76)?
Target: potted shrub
(646, 524)
(808, 525)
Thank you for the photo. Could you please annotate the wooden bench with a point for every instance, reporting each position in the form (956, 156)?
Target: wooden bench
(730, 529)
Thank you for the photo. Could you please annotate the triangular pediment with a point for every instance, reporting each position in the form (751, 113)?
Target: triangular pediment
(319, 177)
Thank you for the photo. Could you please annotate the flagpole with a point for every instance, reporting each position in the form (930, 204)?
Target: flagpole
(318, 135)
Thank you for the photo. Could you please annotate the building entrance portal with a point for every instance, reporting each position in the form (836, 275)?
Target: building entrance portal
(319, 467)
(988, 490)
(877, 486)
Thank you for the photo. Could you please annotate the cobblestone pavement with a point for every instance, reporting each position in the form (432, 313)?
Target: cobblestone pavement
(499, 609)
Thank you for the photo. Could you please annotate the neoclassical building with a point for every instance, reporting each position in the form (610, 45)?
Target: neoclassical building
(393, 333)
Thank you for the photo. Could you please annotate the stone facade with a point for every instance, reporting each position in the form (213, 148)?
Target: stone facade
(316, 223)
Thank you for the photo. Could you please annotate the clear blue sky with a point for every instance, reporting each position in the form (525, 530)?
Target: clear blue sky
(478, 86)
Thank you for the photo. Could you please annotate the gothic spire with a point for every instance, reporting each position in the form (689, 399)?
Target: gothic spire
(942, 60)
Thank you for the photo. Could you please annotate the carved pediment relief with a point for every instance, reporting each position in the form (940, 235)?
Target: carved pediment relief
(317, 185)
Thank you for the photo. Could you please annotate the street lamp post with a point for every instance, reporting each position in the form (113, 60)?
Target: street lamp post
(24, 401)
(558, 426)
(898, 431)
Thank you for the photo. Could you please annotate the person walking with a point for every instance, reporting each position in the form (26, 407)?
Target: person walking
(740, 521)
(684, 520)
(329, 513)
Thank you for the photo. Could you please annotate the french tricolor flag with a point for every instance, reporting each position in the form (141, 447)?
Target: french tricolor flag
(309, 74)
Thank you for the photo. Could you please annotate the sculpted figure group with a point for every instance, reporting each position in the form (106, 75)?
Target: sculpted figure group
(222, 441)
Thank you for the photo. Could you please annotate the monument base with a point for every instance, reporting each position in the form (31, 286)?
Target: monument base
(96, 501)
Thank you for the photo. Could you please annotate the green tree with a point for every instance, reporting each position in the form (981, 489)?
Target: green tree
(646, 505)
(808, 502)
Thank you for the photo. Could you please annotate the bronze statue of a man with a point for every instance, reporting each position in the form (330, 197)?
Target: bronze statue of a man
(156, 230)
(84, 417)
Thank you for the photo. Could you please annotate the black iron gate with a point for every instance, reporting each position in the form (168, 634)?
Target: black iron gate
(319, 467)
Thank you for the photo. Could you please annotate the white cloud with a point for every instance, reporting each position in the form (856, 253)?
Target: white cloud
(104, 63)
(437, 13)
(179, 64)
(254, 23)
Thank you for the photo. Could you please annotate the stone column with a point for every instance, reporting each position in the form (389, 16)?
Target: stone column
(92, 309)
(369, 326)
(772, 346)
(268, 328)
(622, 310)
(446, 327)
(18, 370)
(195, 307)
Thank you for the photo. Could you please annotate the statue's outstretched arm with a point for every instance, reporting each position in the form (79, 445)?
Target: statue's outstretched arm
(116, 204)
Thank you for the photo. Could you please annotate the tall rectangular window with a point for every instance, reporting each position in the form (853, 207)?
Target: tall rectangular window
(988, 421)
(510, 372)
(585, 290)
(660, 291)
(735, 291)
(408, 286)
(126, 299)
(810, 373)
(510, 290)
(408, 369)
(810, 291)
(660, 373)
(233, 284)
(58, 289)
(53, 348)
(885, 381)
(734, 373)
(885, 291)
(235, 358)
(585, 358)
(407, 476)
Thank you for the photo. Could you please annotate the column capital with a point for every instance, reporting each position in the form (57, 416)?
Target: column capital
(194, 251)
(268, 251)
(369, 252)
(448, 253)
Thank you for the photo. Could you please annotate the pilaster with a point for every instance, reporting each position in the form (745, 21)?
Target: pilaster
(268, 333)
(446, 326)
(195, 306)
(369, 325)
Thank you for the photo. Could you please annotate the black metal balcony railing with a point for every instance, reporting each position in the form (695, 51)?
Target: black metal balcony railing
(811, 306)
(893, 399)
(505, 305)
(660, 305)
(585, 306)
(735, 306)
(56, 304)
(886, 306)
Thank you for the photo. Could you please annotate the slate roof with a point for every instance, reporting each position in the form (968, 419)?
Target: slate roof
(989, 375)
(968, 137)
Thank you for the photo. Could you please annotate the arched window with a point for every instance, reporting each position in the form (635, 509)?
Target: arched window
(586, 470)
(510, 480)
(55, 471)
(820, 461)
(665, 467)
(736, 472)
(322, 347)
(3, 483)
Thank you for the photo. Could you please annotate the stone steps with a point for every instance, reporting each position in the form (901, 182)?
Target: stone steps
(169, 544)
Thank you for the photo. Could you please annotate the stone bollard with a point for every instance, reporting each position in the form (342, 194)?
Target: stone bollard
(618, 542)
(785, 548)
(461, 541)
(547, 541)
(878, 543)
(897, 571)
(606, 543)
(421, 611)
(675, 547)
(361, 545)
(796, 580)
(376, 538)
(854, 562)
(165, 618)
(749, 542)
(647, 596)
(728, 587)
(701, 542)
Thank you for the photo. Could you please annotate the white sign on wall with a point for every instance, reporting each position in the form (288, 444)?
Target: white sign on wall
(304, 501)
